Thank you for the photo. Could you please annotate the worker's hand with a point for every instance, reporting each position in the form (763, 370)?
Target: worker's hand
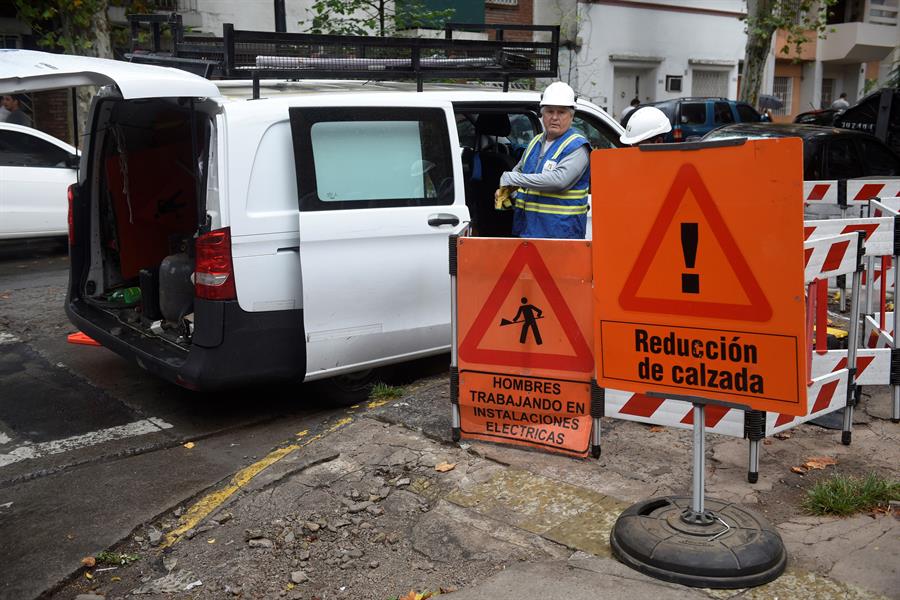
(503, 198)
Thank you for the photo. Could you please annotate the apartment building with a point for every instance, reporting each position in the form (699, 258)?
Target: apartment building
(616, 50)
(857, 53)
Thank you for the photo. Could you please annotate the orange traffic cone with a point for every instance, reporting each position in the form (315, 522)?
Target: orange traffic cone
(81, 338)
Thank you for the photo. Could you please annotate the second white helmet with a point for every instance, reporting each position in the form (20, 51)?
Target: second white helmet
(558, 93)
(645, 123)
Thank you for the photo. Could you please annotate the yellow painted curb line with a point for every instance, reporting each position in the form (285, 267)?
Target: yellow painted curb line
(212, 501)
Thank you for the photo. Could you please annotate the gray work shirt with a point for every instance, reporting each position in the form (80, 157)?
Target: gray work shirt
(18, 117)
(562, 177)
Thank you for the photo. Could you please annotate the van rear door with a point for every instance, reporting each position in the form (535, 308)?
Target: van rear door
(379, 180)
(23, 71)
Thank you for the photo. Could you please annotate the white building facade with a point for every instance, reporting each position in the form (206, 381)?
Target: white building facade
(618, 50)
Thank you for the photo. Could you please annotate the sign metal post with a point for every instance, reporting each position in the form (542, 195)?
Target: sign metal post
(691, 306)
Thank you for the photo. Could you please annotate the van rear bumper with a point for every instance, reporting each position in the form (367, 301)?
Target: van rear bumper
(231, 347)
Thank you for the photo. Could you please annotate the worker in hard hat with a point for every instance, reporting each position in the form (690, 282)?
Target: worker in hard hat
(552, 179)
(648, 125)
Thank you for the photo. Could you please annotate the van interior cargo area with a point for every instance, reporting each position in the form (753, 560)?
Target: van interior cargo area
(150, 208)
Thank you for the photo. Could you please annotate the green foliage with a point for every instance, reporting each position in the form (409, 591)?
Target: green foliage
(61, 24)
(371, 17)
(842, 495)
(383, 391)
(796, 17)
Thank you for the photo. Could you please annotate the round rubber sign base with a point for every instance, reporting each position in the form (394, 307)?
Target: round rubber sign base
(726, 547)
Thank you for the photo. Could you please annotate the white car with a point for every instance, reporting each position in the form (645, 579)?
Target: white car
(36, 170)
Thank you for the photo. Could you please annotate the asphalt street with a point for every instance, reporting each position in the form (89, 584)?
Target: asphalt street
(91, 446)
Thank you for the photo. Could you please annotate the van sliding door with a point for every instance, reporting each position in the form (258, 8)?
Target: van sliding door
(378, 196)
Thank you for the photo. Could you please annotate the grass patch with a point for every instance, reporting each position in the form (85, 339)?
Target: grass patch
(844, 495)
(116, 558)
(383, 391)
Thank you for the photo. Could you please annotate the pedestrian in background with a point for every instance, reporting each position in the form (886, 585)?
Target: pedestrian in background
(16, 107)
(841, 103)
(553, 176)
(635, 102)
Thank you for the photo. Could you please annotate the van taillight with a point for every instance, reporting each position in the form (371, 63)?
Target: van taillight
(71, 218)
(214, 273)
(677, 135)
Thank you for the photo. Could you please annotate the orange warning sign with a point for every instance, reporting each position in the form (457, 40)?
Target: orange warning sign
(701, 294)
(524, 351)
(552, 414)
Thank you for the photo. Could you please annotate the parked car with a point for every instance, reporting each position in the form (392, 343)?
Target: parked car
(36, 170)
(824, 116)
(692, 118)
(219, 241)
(828, 152)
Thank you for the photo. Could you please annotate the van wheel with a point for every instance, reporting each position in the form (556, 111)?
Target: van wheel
(349, 389)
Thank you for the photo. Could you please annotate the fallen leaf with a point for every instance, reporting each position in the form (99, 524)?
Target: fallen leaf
(189, 445)
(444, 467)
(767, 442)
(657, 429)
(410, 596)
(115, 578)
(289, 586)
(88, 575)
(783, 435)
(88, 561)
(211, 541)
(819, 462)
(448, 589)
(799, 470)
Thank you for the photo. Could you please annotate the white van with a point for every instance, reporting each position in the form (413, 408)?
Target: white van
(220, 241)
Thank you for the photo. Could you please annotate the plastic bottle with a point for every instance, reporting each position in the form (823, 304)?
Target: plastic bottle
(129, 295)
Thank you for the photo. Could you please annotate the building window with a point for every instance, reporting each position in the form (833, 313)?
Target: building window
(502, 2)
(673, 83)
(783, 90)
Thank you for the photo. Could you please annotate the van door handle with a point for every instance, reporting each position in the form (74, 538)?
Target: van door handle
(443, 219)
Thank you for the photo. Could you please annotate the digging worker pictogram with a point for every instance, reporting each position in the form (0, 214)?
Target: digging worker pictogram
(528, 316)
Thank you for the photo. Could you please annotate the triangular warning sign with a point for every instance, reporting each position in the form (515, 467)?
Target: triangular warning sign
(527, 255)
(693, 304)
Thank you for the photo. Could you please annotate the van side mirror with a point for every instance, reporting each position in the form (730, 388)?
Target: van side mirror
(72, 161)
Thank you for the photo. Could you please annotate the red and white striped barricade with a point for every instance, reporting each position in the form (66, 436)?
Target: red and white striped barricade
(878, 332)
(846, 193)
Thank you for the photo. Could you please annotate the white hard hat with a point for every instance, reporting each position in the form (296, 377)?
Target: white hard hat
(558, 93)
(645, 123)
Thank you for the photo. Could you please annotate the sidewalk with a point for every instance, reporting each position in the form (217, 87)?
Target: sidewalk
(385, 504)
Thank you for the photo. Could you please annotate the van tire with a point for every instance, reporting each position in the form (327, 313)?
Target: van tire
(349, 389)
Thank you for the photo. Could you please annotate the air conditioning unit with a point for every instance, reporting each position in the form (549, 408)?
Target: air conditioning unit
(673, 83)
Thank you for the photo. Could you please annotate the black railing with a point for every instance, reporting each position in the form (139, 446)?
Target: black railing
(255, 55)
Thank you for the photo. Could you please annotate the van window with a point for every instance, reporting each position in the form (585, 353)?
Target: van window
(370, 157)
(598, 134)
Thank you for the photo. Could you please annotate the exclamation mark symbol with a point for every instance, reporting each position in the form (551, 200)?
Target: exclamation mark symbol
(690, 282)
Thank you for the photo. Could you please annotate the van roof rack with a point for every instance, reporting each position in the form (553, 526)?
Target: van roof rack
(255, 55)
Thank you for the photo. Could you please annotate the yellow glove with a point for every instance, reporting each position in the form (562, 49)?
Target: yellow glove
(503, 198)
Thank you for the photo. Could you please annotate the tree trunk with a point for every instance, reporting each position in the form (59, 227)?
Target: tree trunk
(759, 41)
(101, 47)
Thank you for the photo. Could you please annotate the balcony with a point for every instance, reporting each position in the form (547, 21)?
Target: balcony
(869, 33)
